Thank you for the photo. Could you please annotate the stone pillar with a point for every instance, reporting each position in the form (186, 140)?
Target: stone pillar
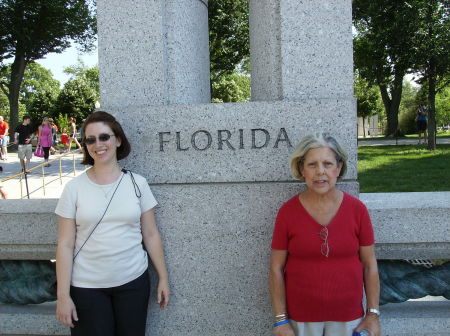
(153, 52)
(220, 171)
(301, 49)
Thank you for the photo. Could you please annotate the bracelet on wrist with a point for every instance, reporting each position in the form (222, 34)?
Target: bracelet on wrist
(276, 324)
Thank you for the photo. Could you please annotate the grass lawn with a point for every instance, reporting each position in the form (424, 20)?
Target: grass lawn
(403, 168)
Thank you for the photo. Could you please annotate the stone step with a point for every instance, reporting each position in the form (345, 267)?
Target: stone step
(412, 318)
(410, 225)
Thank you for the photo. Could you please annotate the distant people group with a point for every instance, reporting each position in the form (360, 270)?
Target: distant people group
(46, 135)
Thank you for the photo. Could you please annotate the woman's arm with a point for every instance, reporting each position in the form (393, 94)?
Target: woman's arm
(65, 308)
(277, 289)
(154, 246)
(371, 321)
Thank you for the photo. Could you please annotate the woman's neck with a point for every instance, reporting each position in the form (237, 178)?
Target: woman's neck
(319, 200)
(105, 173)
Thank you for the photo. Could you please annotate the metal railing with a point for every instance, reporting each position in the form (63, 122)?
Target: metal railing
(23, 175)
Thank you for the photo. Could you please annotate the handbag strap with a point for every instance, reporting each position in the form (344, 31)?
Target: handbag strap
(90, 234)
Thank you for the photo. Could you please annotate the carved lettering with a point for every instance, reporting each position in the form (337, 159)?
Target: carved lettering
(282, 136)
(266, 141)
(241, 139)
(179, 143)
(202, 140)
(194, 140)
(221, 140)
(162, 141)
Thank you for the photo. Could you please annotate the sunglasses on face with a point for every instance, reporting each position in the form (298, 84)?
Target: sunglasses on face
(102, 138)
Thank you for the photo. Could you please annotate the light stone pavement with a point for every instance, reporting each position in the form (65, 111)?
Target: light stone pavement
(400, 141)
(53, 183)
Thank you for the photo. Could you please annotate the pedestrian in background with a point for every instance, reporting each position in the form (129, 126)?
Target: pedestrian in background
(23, 135)
(421, 121)
(54, 135)
(73, 134)
(4, 138)
(45, 137)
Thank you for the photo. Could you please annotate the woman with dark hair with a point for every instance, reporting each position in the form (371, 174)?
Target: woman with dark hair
(323, 251)
(104, 216)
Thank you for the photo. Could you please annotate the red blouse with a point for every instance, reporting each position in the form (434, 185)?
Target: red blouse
(320, 288)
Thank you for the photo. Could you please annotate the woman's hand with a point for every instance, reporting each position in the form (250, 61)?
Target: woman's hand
(66, 312)
(284, 330)
(163, 293)
(370, 323)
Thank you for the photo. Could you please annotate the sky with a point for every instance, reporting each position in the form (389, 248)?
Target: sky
(57, 62)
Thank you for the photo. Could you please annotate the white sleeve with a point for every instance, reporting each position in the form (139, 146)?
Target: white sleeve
(66, 206)
(147, 199)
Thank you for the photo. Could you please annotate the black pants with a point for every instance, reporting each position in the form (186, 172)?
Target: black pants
(46, 152)
(115, 311)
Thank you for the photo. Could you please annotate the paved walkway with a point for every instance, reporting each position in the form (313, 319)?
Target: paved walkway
(52, 181)
(400, 141)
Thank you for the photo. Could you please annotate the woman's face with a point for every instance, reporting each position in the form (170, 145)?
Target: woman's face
(45, 121)
(321, 170)
(102, 151)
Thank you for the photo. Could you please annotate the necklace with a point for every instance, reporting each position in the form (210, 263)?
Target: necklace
(106, 188)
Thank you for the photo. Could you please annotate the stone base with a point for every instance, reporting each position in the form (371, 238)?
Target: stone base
(417, 318)
(410, 225)
(30, 320)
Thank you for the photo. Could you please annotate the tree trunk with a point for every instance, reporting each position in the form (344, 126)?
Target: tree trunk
(432, 105)
(17, 72)
(364, 127)
(392, 104)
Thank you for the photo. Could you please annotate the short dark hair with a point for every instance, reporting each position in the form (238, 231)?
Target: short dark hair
(101, 116)
(25, 117)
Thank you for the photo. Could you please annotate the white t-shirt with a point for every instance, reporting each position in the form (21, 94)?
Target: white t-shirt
(113, 255)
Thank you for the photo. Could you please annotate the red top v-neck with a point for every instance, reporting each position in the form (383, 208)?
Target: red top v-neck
(320, 288)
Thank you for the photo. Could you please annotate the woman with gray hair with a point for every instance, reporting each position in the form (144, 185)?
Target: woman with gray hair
(323, 251)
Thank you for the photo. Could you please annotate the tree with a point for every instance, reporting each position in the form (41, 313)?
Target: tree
(38, 91)
(443, 107)
(368, 100)
(384, 47)
(408, 108)
(79, 94)
(228, 40)
(231, 88)
(432, 55)
(37, 79)
(31, 29)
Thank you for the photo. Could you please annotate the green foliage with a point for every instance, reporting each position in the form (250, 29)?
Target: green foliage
(231, 88)
(443, 107)
(367, 97)
(79, 95)
(403, 168)
(408, 108)
(34, 28)
(383, 48)
(62, 121)
(228, 35)
(31, 29)
(229, 50)
(432, 41)
(37, 79)
(41, 105)
(38, 92)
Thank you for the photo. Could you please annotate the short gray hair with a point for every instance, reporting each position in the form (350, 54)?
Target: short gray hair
(312, 141)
